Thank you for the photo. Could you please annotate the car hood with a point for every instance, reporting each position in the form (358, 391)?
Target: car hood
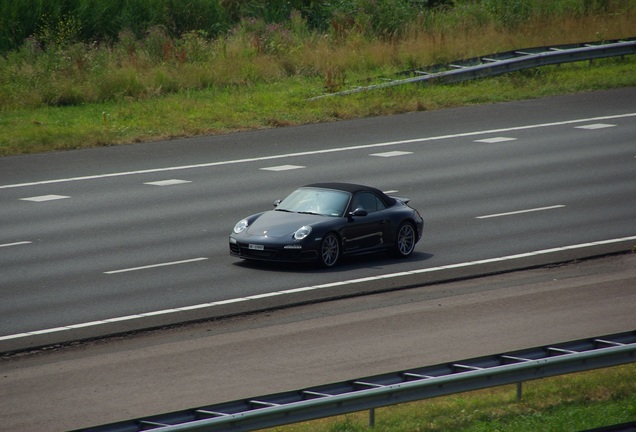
(280, 224)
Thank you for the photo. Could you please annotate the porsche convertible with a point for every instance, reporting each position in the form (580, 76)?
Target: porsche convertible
(323, 222)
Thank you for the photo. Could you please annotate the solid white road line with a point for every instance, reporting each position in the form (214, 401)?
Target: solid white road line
(317, 287)
(156, 265)
(521, 211)
(315, 152)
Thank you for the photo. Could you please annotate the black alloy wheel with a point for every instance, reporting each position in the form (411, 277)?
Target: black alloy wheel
(329, 250)
(405, 240)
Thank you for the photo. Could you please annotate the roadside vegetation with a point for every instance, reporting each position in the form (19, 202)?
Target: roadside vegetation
(87, 73)
(93, 73)
(565, 403)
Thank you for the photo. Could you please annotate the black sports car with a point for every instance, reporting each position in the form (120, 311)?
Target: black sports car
(322, 222)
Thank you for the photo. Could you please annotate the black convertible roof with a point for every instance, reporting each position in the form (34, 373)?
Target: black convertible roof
(354, 188)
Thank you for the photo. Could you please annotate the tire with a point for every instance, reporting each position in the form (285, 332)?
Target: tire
(405, 240)
(329, 250)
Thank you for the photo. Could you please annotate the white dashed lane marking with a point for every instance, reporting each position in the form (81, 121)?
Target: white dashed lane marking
(171, 182)
(521, 211)
(44, 198)
(283, 168)
(391, 154)
(495, 140)
(156, 265)
(15, 244)
(595, 126)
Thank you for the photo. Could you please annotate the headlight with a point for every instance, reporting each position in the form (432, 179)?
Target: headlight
(240, 226)
(302, 232)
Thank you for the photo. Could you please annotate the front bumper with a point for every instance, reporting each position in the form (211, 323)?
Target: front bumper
(269, 252)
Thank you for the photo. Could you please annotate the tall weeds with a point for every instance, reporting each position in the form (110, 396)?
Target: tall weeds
(59, 53)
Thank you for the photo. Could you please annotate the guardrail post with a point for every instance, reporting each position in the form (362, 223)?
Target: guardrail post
(372, 417)
(519, 385)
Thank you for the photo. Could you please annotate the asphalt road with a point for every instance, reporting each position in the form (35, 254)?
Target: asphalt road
(111, 239)
(195, 365)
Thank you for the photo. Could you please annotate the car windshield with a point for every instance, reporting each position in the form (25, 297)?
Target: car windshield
(327, 202)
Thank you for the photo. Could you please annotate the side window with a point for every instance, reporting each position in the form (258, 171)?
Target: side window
(379, 205)
(367, 201)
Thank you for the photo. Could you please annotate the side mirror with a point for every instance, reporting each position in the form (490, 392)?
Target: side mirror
(358, 212)
(277, 202)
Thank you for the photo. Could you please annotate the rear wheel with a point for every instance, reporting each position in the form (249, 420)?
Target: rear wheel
(404, 240)
(329, 250)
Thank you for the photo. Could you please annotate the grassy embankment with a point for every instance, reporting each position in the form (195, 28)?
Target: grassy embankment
(57, 93)
(567, 403)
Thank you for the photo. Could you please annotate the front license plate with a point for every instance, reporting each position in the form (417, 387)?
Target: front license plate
(257, 247)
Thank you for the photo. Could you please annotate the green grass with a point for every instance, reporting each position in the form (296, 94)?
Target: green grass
(58, 93)
(561, 404)
(279, 104)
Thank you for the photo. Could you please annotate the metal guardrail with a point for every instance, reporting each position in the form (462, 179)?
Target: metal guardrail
(510, 61)
(392, 388)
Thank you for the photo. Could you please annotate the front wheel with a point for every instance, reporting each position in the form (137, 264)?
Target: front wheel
(404, 240)
(329, 250)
